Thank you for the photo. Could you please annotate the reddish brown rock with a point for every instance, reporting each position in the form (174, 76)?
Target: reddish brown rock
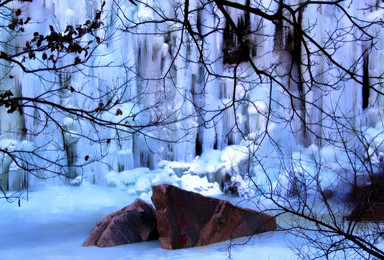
(187, 219)
(134, 223)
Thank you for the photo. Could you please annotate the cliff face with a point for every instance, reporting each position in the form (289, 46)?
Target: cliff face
(153, 74)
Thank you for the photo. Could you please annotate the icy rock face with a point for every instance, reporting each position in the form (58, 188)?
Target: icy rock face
(180, 225)
(150, 53)
(134, 223)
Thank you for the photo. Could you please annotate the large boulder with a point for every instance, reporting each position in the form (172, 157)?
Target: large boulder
(134, 223)
(187, 219)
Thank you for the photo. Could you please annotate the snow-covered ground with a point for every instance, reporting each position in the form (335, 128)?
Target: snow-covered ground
(52, 221)
(56, 220)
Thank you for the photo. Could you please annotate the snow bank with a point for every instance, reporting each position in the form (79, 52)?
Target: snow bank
(55, 221)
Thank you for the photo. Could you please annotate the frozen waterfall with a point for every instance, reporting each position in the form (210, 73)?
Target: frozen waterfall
(165, 103)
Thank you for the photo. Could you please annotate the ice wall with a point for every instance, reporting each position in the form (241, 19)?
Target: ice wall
(172, 108)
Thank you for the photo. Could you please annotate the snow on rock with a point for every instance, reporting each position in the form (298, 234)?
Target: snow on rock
(235, 160)
(131, 176)
(179, 168)
(199, 184)
(140, 181)
(208, 162)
